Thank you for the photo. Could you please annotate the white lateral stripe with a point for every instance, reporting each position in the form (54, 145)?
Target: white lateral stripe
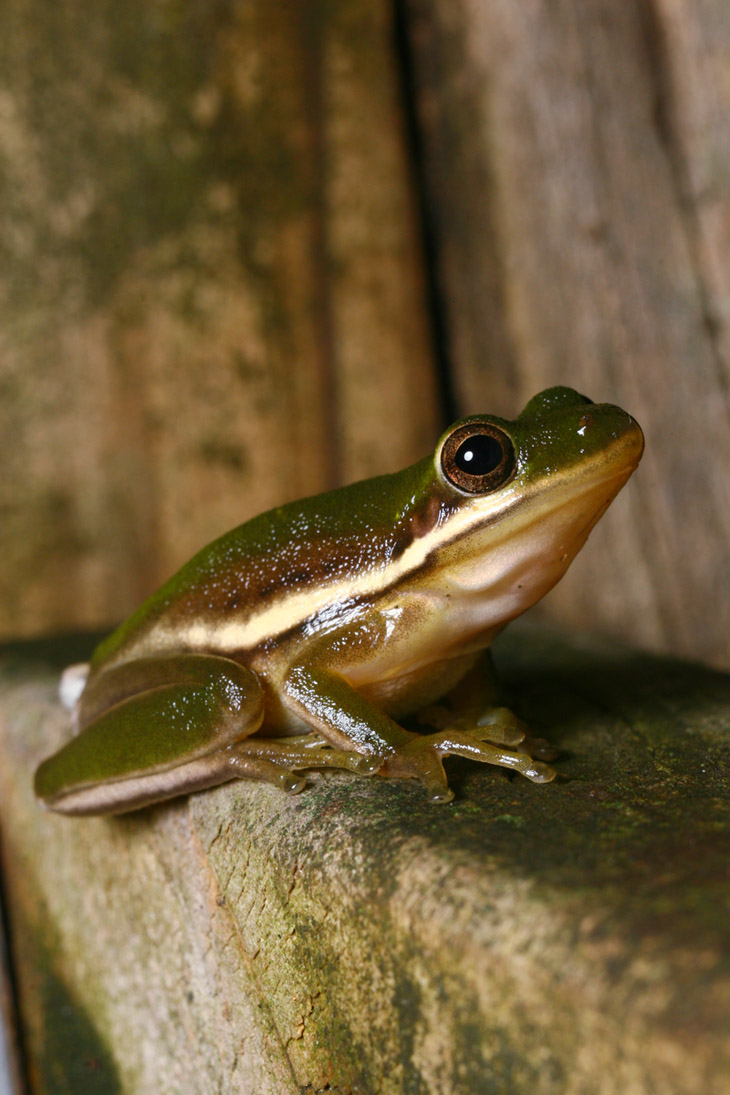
(293, 609)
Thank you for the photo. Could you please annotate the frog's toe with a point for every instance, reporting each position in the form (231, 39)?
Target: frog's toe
(291, 782)
(499, 725)
(538, 772)
(429, 769)
(266, 771)
(488, 752)
(307, 741)
(438, 794)
(497, 733)
(364, 765)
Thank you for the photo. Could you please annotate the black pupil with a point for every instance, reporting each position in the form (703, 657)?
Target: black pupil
(479, 455)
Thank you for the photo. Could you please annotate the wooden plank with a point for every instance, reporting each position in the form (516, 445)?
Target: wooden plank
(579, 194)
(210, 297)
(556, 940)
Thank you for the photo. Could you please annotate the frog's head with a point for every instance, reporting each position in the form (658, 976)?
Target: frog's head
(523, 496)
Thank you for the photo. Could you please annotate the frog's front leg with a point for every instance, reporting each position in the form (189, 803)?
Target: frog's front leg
(326, 701)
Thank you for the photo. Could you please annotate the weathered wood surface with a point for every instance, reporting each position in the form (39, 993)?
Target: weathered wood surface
(559, 940)
(210, 284)
(578, 166)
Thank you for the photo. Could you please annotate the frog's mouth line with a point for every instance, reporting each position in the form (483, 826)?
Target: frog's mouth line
(530, 548)
(540, 502)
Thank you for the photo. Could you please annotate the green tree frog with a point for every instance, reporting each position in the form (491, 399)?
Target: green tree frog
(303, 638)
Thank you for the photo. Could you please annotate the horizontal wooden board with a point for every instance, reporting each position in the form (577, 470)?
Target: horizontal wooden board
(555, 939)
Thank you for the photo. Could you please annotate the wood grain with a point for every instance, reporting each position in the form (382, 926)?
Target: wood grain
(579, 197)
(211, 291)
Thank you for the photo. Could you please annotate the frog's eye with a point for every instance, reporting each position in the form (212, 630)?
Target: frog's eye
(478, 457)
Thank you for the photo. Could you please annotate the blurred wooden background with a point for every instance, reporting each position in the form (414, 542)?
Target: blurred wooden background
(250, 250)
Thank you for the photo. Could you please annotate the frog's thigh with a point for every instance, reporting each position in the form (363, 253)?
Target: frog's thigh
(170, 738)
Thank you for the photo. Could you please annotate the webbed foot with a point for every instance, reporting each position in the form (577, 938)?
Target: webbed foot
(421, 757)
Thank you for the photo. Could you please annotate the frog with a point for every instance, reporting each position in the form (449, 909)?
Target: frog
(304, 639)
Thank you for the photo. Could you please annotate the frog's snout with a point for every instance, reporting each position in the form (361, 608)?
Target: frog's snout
(635, 436)
(627, 435)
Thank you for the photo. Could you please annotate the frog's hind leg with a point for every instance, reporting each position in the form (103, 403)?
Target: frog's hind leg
(151, 729)
(158, 727)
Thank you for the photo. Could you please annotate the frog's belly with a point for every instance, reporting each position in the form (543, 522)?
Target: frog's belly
(403, 656)
(402, 695)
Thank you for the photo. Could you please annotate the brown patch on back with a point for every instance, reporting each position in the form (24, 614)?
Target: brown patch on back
(425, 520)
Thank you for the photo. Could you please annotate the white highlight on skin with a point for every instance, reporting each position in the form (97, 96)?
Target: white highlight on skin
(71, 685)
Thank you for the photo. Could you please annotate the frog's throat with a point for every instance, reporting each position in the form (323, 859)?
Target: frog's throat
(507, 516)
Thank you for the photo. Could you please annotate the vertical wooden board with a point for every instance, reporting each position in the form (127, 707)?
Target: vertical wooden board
(568, 253)
(167, 367)
(691, 56)
(10, 1068)
(386, 385)
(182, 1011)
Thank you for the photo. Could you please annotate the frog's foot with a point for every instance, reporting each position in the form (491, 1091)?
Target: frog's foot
(276, 760)
(420, 758)
(72, 684)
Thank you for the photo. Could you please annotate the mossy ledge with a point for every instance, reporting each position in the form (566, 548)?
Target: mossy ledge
(557, 940)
